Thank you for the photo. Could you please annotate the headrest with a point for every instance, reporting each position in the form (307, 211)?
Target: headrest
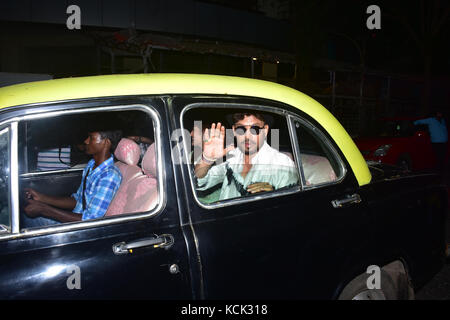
(128, 152)
(149, 161)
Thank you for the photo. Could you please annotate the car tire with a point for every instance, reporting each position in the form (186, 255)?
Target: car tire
(405, 162)
(357, 289)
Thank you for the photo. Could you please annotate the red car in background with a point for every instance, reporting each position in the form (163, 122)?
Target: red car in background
(398, 141)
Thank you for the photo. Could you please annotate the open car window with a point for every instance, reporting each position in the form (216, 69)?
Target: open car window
(55, 160)
(253, 155)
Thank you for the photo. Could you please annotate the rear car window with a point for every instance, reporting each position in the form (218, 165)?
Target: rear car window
(319, 164)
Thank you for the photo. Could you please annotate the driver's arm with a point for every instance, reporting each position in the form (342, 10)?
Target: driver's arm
(59, 202)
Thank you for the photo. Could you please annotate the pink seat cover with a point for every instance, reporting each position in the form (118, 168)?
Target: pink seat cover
(142, 194)
(139, 193)
(127, 151)
(149, 161)
(317, 169)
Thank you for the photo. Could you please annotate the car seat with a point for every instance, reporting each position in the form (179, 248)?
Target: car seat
(317, 169)
(127, 153)
(138, 191)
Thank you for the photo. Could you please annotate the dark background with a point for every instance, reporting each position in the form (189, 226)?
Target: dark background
(321, 47)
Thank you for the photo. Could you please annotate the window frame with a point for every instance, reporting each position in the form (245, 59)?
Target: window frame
(317, 133)
(11, 228)
(234, 201)
(54, 111)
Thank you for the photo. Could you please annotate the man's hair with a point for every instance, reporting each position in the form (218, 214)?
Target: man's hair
(241, 115)
(114, 136)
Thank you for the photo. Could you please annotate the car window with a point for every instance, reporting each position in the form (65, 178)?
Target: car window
(51, 144)
(251, 155)
(5, 222)
(56, 159)
(319, 164)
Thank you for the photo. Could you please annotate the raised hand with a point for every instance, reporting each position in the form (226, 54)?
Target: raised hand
(213, 143)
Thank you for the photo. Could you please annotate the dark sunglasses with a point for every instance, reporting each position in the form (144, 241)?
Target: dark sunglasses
(254, 130)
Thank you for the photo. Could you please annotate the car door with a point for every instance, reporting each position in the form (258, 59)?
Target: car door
(141, 255)
(298, 242)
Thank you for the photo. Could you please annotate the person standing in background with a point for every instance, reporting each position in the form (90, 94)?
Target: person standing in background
(439, 138)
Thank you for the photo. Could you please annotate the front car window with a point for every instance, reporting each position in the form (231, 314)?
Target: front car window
(5, 221)
(238, 153)
(56, 158)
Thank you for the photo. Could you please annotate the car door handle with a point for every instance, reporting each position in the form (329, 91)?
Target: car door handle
(163, 241)
(339, 203)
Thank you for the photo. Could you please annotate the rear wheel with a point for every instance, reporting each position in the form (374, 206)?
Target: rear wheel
(357, 289)
(395, 287)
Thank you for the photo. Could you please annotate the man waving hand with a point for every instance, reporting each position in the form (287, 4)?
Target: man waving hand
(252, 167)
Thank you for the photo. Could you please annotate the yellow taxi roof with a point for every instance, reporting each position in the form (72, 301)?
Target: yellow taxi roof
(165, 83)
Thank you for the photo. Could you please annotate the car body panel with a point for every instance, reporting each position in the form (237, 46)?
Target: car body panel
(403, 208)
(39, 262)
(42, 266)
(269, 253)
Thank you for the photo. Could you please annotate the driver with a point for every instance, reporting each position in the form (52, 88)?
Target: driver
(101, 179)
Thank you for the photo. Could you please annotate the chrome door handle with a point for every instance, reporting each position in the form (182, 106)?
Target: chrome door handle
(163, 241)
(354, 198)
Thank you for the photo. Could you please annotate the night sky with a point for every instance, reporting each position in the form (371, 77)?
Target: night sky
(394, 46)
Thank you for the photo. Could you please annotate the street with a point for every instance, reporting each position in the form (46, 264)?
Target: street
(438, 288)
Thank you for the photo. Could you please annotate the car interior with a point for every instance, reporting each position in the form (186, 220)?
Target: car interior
(64, 137)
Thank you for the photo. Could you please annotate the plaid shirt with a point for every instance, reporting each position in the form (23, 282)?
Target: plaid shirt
(102, 184)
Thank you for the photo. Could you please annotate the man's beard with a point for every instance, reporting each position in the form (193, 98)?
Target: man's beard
(251, 145)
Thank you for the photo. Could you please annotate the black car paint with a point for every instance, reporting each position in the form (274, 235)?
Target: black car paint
(29, 265)
(266, 259)
(294, 246)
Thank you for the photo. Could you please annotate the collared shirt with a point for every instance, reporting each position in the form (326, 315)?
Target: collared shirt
(102, 184)
(438, 130)
(268, 165)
